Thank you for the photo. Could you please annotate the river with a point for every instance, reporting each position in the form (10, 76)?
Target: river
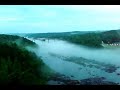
(79, 62)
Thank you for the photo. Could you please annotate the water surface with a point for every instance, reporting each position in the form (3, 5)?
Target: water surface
(56, 54)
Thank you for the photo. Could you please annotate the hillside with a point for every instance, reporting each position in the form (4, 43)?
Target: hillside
(111, 36)
(16, 39)
(18, 66)
(87, 38)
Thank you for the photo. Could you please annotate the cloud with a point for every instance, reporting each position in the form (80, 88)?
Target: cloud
(93, 7)
(49, 14)
(38, 24)
(59, 17)
(8, 19)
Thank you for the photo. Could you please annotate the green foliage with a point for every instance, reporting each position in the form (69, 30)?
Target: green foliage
(111, 36)
(89, 39)
(19, 66)
(84, 38)
(16, 39)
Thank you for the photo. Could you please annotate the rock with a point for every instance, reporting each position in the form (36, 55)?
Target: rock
(118, 73)
(80, 68)
(54, 83)
(59, 79)
(111, 69)
(73, 82)
(72, 76)
(96, 81)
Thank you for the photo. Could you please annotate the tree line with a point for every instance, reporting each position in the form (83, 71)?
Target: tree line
(18, 66)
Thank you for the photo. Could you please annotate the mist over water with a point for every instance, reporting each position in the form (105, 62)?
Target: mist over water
(66, 49)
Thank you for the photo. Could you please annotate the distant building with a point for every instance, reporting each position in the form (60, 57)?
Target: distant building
(111, 44)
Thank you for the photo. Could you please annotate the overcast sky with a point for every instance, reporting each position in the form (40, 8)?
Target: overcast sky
(58, 18)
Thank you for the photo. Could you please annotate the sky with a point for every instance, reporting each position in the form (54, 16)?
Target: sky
(58, 18)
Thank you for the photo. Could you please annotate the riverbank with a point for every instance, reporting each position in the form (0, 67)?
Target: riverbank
(59, 79)
(88, 63)
(18, 66)
(79, 63)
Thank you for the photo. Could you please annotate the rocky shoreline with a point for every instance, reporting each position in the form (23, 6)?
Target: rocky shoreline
(89, 63)
(59, 79)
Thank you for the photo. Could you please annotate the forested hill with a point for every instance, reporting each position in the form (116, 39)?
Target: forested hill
(57, 34)
(111, 36)
(87, 38)
(18, 66)
(16, 39)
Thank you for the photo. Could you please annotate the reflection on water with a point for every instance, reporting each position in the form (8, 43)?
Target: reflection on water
(54, 51)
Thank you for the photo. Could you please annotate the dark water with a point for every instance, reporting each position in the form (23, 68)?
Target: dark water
(79, 62)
